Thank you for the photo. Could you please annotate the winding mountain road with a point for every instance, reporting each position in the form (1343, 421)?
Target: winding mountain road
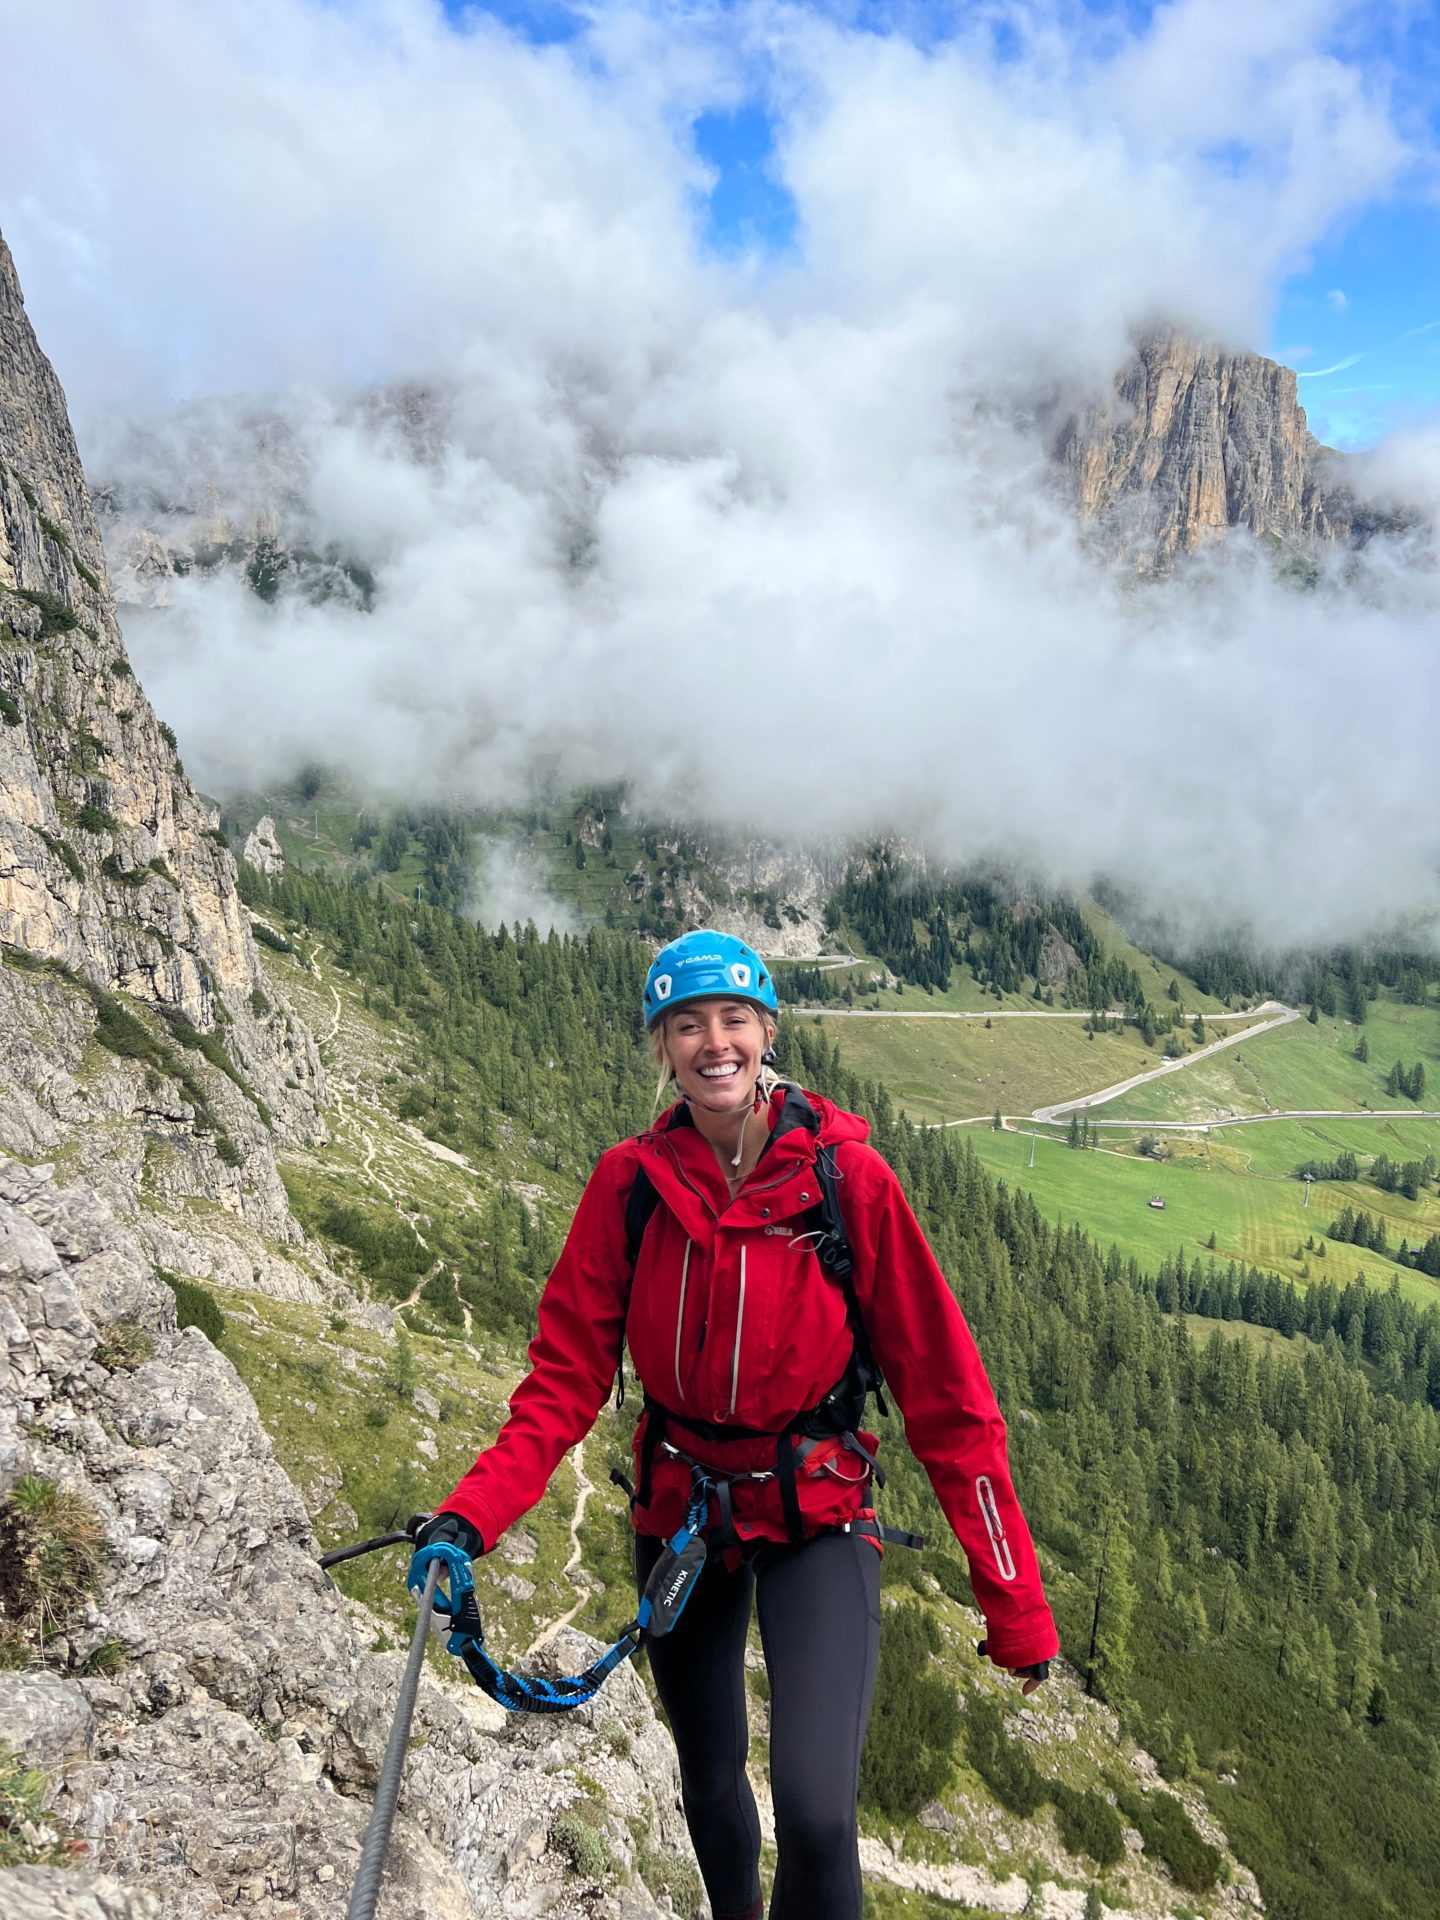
(1030, 1013)
(1254, 1119)
(1282, 1018)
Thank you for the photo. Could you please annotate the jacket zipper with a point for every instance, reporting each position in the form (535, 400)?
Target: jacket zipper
(739, 1323)
(680, 1316)
(688, 1182)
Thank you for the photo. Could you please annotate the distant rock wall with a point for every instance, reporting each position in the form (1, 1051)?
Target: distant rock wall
(262, 848)
(1198, 441)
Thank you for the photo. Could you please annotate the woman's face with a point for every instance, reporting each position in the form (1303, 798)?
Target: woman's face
(715, 1048)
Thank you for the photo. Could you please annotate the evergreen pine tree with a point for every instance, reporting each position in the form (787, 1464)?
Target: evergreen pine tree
(1107, 1664)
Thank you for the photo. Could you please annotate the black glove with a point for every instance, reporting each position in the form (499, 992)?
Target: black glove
(425, 1528)
(1040, 1670)
(451, 1529)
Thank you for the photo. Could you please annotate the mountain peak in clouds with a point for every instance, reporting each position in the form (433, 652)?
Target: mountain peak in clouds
(1200, 441)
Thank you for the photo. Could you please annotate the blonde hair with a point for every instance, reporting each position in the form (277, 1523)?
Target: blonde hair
(660, 1050)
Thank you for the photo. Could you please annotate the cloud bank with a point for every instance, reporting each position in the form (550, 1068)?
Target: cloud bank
(772, 539)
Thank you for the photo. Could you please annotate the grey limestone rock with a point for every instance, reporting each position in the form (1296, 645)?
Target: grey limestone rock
(113, 876)
(262, 848)
(48, 1723)
(229, 1761)
(54, 1893)
(1196, 441)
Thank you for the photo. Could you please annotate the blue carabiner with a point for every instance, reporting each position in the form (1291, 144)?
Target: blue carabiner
(458, 1576)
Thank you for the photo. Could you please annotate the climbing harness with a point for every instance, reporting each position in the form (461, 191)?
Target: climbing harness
(839, 1413)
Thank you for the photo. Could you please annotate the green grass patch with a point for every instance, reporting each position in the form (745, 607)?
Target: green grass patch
(55, 616)
(387, 1249)
(123, 876)
(64, 853)
(52, 1555)
(1298, 1067)
(124, 1346)
(939, 1070)
(195, 1306)
(93, 819)
(1256, 1220)
(269, 938)
(26, 1837)
(212, 1046)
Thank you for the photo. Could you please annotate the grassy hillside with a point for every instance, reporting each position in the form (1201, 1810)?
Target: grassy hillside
(1297, 1067)
(943, 1070)
(337, 1399)
(1257, 1217)
(1154, 975)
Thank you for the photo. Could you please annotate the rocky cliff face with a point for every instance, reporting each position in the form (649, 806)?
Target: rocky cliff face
(1198, 441)
(210, 1717)
(207, 1713)
(114, 878)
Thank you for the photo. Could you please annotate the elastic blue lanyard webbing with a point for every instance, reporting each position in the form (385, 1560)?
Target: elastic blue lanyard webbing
(521, 1693)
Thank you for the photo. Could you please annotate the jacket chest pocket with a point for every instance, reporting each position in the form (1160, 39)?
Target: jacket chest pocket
(780, 1333)
(665, 1310)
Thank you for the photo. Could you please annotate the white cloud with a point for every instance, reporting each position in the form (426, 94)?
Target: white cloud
(775, 544)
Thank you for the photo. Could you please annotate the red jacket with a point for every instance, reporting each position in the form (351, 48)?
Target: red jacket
(731, 1319)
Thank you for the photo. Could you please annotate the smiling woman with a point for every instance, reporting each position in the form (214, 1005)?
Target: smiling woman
(766, 1272)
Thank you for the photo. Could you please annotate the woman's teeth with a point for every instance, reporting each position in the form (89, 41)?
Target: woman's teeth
(719, 1073)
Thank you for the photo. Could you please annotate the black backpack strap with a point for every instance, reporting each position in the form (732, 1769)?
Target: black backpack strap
(833, 1250)
(655, 1423)
(641, 1204)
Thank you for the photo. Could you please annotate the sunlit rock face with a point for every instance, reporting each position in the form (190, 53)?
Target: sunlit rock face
(113, 872)
(1197, 442)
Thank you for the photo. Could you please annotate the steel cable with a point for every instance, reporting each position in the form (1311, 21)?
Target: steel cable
(366, 1890)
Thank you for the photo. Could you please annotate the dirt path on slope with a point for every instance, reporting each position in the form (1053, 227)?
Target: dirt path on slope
(584, 1488)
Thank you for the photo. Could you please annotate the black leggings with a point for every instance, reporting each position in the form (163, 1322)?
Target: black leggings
(819, 1611)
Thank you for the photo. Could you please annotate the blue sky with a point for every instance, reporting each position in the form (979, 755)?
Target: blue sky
(1359, 318)
(1361, 326)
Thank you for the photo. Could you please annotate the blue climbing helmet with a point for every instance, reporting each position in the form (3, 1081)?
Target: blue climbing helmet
(703, 965)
